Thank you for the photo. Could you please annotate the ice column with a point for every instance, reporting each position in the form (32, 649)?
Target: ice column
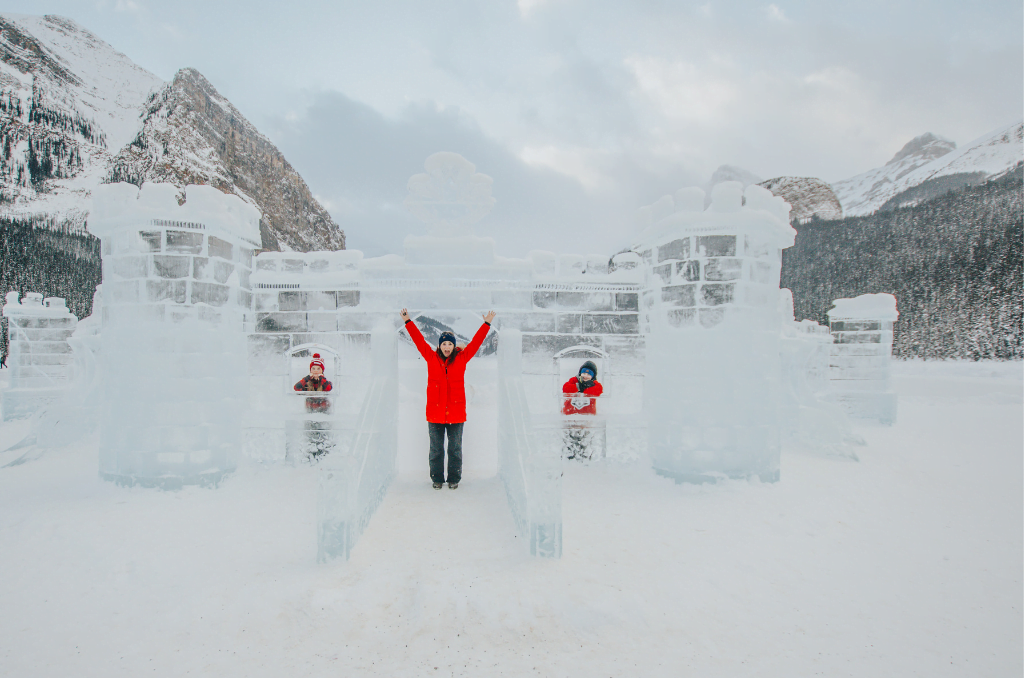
(861, 352)
(355, 474)
(710, 306)
(40, 357)
(173, 349)
(529, 455)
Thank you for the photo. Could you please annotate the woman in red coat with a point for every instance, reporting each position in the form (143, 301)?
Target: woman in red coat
(446, 396)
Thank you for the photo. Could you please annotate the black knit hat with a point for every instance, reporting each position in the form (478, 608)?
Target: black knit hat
(589, 365)
(446, 336)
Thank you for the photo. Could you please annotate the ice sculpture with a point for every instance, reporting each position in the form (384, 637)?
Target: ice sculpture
(74, 415)
(175, 301)
(710, 306)
(862, 350)
(529, 454)
(451, 196)
(40, 357)
(810, 418)
(354, 475)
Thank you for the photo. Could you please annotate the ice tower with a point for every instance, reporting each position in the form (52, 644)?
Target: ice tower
(173, 351)
(40, 357)
(709, 309)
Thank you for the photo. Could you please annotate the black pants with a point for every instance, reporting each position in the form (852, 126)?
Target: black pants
(437, 432)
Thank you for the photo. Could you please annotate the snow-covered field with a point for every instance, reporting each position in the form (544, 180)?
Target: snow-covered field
(908, 562)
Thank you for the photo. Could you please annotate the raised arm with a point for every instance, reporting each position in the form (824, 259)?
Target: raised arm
(417, 337)
(478, 338)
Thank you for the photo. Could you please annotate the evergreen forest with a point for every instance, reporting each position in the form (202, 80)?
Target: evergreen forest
(953, 262)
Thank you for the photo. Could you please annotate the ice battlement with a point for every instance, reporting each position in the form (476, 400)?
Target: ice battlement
(122, 206)
(297, 270)
(753, 211)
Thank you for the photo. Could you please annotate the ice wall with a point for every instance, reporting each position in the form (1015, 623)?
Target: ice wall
(861, 353)
(175, 303)
(75, 414)
(529, 455)
(809, 416)
(710, 310)
(354, 475)
(39, 357)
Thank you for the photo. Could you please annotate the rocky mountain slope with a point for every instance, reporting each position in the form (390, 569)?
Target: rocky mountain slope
(69, 105)
(66, 99)
(809, 197)
(928, 166)
(192, 135)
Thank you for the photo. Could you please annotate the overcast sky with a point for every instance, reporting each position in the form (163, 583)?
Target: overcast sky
(582, 111)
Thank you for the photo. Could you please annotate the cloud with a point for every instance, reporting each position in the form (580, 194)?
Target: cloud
(358, 162)
(682, 90)
(775, 13)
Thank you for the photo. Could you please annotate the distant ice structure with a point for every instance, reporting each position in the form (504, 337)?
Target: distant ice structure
(75, 414)
(810, 419)
(40, 357)
(175, 303)
(355, 473)
(862, 350)
(451, 196)
(713, 357)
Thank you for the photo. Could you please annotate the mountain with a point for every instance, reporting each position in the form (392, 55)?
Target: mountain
(66, 99)
(192, 135)
(74, 113)
(928, 166)
(809, 197)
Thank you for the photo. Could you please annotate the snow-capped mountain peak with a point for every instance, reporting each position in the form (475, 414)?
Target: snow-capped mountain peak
(75, 113)
(921, 150)
(929, 165)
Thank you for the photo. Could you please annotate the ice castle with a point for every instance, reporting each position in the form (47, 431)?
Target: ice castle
(704, 368)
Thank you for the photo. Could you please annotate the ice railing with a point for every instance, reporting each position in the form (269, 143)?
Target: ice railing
(529, 455)
(355, 473)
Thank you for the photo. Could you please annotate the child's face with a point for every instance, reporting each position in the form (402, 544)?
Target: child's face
(316, 371)
(586, 376)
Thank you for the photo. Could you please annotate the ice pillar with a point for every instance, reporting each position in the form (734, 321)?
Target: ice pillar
(861, 352)
(354, 476)
(709, 307)
(40, 357)
(529, 454)
(175, 300)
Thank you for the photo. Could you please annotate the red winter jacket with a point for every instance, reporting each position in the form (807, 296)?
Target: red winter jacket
(572, 387)
(446, 379)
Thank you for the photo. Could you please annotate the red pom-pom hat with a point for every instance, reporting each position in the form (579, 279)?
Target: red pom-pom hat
(316, 361)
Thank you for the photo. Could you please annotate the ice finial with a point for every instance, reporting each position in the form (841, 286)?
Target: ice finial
(451, 196)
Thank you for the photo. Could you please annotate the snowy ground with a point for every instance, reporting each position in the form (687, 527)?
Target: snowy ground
(907, 562)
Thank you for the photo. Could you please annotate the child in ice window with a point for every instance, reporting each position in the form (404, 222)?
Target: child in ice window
(315, 381)
(579, 393)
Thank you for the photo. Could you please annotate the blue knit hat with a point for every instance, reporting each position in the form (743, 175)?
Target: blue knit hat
(446, 336)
